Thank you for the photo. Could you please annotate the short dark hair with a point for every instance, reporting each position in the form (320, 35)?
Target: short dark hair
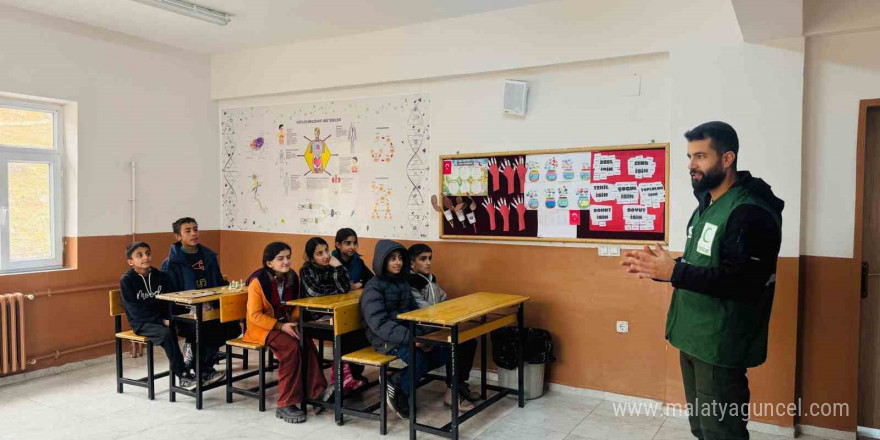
(418, 249)
(271, 251)
(133, 247)
(344, 233)
(312, 245)
(180, 222)
(723, 137)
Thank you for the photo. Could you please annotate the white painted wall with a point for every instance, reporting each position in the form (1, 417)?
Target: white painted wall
(711, 72)
(136, 101)
(570, 105)
(838, 16)
(757, 89)
(538, 35)
(841, 71)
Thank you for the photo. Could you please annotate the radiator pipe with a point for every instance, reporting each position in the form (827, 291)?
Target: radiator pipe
(53, 292)
(57, 354)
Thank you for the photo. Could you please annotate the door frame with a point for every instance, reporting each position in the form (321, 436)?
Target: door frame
(861, 141)
(861, 156)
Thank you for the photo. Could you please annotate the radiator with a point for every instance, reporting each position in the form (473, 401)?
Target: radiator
(12, 333)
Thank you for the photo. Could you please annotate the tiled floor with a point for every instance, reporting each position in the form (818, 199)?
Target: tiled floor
(83, 404)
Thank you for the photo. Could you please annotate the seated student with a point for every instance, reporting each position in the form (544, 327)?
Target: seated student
(193, 266)
(427, 292)
(346, 252)
(386, 296)
(147, 315)
(322, 274)
(271, 324)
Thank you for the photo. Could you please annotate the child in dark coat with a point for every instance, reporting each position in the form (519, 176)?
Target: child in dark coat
(386, 296)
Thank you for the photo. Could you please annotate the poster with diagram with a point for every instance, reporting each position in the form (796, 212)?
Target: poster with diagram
(312, 168)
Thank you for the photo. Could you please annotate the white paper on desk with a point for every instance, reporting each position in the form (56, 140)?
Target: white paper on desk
(555, 224)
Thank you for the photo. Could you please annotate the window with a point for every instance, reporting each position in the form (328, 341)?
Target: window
(31, 204)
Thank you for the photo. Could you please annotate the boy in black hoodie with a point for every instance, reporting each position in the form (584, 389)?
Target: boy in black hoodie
(190, 265)
(386, 296)
(147, 315)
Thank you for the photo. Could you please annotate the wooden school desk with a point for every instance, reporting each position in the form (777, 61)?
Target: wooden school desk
(455, 319)
(341, 309)
(197, 298)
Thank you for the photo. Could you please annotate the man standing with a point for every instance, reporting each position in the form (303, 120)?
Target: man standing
(724, 282)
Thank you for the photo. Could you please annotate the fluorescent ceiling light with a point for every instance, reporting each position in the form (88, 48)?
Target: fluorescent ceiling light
(191, 10)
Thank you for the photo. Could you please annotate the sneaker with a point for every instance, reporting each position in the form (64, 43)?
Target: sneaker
(463, 404)
(328, 396)
(290, 414)
(188, 356)
(216, 358)
(187, 381)
(465, 390)
(212, 377)
(398, 402)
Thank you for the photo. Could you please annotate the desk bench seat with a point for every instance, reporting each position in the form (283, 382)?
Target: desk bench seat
(241, 343)
(369, 356)
(132, 336)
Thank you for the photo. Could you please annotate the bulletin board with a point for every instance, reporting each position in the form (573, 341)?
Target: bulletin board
(610, 194)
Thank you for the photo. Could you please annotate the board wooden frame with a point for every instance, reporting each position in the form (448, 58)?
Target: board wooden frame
(607, 148)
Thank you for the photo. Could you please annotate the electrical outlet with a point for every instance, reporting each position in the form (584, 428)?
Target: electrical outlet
(607, 250)
(622, 326)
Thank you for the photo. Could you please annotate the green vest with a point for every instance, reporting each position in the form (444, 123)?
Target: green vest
(721, 332)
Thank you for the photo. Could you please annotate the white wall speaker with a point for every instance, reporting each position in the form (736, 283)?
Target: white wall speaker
(515, 97)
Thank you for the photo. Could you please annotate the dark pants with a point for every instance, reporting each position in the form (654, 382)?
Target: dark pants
(164, 337)
(464, 361)
(290, 388)
(718, 398)
(424, 362)
(212, 336)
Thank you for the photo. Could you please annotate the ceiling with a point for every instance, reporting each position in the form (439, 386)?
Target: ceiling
(258, 23)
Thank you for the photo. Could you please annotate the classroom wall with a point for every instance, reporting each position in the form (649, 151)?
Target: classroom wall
(841, 70)
(133, 101)
(136, 101)
(542, 34)
(718, 78)
(122, 88)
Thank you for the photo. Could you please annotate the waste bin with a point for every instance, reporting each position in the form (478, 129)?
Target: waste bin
(538, 353)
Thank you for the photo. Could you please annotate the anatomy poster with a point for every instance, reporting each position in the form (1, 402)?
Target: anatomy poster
(312, 168)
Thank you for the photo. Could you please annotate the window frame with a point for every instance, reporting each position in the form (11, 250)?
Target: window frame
(53, 157)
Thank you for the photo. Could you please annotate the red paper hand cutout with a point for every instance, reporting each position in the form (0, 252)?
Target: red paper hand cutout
(504, 209)
(493, 170)
(520, 207)
(509, 170)
(521, 173)
(490, 208)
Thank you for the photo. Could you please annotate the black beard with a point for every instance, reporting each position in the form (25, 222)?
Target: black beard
(710, 180)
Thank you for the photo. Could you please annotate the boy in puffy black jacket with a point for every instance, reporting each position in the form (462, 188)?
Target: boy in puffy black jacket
(386, 296)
